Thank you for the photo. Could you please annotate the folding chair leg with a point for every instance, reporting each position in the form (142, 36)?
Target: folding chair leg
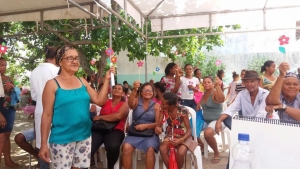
(134, 159)
(223, 141)
(156, 166)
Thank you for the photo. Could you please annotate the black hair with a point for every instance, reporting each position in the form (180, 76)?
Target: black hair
(88, 78)
(168, 67)
(208, 77)
(195, 71)
(50, 52)
(2, 58)
(244, 70)
(123, 89)
(144, 85)
(160, 86)
(171, 98)
(125, 82)
(268, 63)
(235, 75)
(186, 65)
(2, 41)
(219, 74)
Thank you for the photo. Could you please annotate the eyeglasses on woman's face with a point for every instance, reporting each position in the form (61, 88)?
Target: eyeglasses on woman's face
(147, 90)
(71, 59)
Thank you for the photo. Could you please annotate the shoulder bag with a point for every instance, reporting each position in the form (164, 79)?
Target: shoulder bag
(144, 133)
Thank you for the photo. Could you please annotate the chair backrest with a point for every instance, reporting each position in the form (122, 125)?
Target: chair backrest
(193, 116)
(129, 118)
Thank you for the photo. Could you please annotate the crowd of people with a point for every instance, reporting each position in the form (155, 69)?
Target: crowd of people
(70, 109)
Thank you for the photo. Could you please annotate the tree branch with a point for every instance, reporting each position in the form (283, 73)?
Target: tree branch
(64, 39)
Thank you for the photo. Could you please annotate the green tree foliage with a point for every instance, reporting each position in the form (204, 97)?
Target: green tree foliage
(92, 43)
(208, 66)
(258, 61)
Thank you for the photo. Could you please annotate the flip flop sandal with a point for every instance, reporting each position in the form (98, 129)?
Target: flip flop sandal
(215, 160)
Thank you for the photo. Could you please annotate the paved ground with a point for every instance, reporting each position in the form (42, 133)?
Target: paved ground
(21, 157)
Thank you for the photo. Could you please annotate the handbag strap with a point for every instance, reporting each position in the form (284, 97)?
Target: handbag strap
(143, 113)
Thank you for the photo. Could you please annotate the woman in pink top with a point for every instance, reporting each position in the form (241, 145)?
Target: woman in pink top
(172, 79)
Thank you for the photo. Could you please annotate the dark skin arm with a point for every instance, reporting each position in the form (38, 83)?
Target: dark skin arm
(133, 97)
(218, 95)
(274, 96)
(121, 114)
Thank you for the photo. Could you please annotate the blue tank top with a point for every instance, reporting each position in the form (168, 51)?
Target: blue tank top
(71, 119)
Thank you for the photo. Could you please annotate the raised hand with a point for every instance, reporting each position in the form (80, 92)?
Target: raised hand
(283, 68)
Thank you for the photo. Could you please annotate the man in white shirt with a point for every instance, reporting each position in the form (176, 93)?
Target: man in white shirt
(38, 78)
(250, 101)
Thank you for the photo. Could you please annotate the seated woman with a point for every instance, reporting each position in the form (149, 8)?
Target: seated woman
(212, 106)
(178, 132)
(115, 109)
(148, 121)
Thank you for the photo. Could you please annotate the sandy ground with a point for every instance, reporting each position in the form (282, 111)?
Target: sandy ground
(21, 157)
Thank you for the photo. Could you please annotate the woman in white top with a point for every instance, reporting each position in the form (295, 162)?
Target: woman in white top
(188, 85)
(231, 94)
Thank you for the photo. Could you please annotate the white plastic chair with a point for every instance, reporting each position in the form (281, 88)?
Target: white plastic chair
(136, 155)
(194, 163)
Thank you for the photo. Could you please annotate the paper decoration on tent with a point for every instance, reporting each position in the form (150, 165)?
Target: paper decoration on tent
(140, 63)
(113, 59)
(3, 48)
(109, 51)
(218, 62)
(282, 49)
(92, 62)
(283, 40)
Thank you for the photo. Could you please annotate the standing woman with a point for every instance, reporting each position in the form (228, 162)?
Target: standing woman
(189, 85)
(221, 75)
(7, 115)
(231, 94)
(268, 79)
(172, 78)
(66, 101)
(139, 103)
(198, 75)
(212, 106)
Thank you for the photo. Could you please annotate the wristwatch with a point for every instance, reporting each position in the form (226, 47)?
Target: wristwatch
(284, 107)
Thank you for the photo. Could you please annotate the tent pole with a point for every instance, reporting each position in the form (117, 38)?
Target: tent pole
(220, 33)
(146, 43)
(121, 18)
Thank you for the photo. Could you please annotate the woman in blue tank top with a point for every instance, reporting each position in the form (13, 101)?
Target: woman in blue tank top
(66, 101)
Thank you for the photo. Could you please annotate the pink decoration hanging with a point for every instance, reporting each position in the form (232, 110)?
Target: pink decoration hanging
(284, 40)
(109, 51)
(140, 63)
(218, 63)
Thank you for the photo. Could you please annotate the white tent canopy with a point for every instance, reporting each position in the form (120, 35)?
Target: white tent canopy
(41, 10)
(183, 14)
(163, 14)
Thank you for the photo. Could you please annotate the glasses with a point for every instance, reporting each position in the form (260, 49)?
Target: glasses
(71, 59)
(147, 91)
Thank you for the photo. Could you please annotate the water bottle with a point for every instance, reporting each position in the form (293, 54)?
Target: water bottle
(241, 153)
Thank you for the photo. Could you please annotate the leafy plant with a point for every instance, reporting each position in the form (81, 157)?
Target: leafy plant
(258, 61)
(208, 67)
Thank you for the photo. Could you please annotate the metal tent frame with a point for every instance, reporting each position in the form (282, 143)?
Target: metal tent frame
(145, 17)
